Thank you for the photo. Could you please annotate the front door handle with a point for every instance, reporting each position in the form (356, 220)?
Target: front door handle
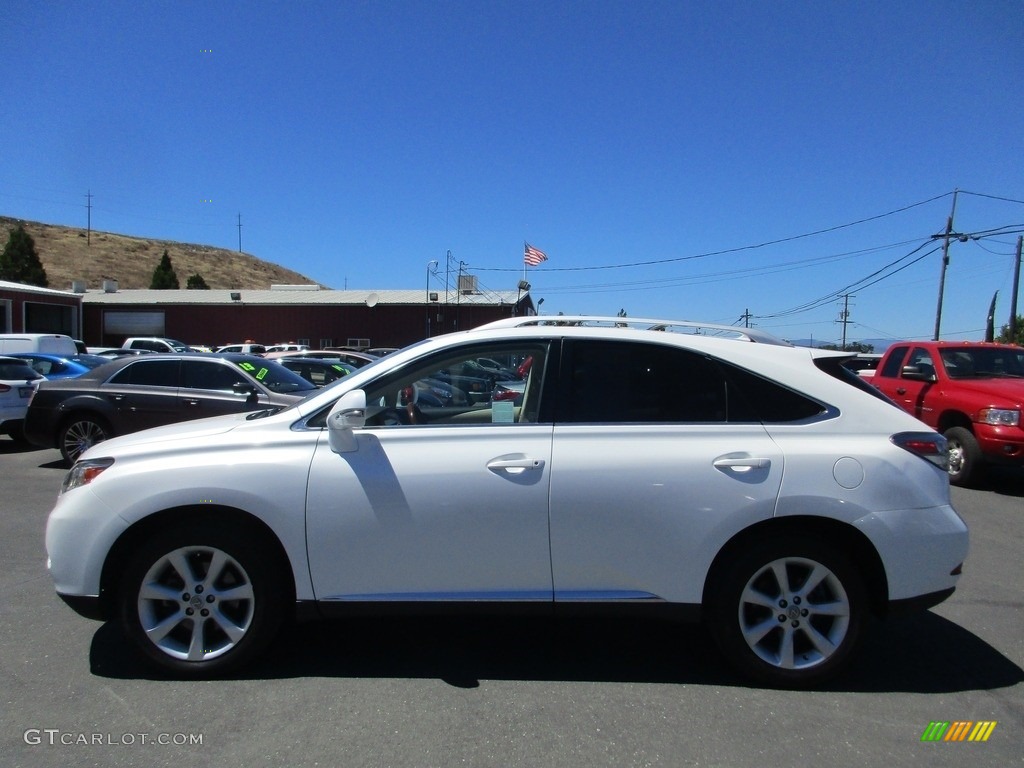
(515, 465)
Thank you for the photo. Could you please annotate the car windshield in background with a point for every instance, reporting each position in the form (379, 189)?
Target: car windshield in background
(275, 377)
(983, 362)
(90, 361)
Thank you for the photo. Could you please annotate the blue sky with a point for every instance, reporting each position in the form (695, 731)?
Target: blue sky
(669, 157)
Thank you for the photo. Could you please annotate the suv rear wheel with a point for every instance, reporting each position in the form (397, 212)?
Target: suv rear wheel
(788, 611)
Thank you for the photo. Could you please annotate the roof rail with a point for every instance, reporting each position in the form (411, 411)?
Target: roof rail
(691, 327)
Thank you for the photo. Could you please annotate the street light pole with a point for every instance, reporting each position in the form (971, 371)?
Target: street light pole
(426, 304)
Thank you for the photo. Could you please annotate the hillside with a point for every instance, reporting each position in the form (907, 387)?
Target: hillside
(68, 254)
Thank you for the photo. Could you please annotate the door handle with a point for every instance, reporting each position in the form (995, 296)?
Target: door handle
(901, 391)
(190, 401)
(742, 464)
(515, 465)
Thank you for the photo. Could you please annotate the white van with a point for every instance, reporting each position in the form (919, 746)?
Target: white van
(47, 343)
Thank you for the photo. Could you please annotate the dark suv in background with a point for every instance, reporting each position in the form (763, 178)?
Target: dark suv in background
(139, 392)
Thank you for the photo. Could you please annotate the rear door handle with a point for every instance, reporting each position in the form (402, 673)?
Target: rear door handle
(743, 464)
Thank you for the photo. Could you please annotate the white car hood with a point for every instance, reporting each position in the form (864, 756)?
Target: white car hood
(185, 430)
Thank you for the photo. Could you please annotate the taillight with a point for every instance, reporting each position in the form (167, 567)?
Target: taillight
(4, 388)
(930, 446)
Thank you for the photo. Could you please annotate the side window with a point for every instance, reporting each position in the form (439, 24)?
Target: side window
(153, 373)
(922, 359)
(627, 382)
(456, 388)
(200, 374)
(894, 363)
(754, 398)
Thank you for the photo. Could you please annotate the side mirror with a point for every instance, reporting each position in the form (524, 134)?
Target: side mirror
(914, 372)
(252, 396)
(348, 413)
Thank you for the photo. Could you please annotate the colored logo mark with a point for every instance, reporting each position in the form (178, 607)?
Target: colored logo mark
(959, 730)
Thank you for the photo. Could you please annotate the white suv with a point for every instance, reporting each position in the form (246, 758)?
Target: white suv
(759, 486)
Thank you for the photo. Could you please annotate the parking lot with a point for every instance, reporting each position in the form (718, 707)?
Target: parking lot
(474, 692)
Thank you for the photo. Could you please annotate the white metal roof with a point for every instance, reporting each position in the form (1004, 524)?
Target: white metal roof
(6, 285)
(302, 296)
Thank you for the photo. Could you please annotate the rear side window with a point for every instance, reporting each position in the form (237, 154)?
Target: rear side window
(201, 374)
(17, 372)
(626, 382)
(622, 382)
(153, 373)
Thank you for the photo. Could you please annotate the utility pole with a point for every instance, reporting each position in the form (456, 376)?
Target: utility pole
(745, 317)
(88, 206)
(239, 233)
(1013, 293)
(945, 264)
(844, 317)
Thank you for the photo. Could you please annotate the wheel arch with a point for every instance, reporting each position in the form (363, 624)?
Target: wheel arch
(120, 553)
(838, 534)
(950, 419)
(73, 413)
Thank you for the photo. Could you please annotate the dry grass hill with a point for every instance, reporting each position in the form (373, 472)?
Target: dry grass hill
(68, 254)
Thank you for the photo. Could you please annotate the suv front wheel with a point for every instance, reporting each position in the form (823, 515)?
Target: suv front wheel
(200, 601)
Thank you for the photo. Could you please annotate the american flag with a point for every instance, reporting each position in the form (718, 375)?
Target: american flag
(534, 256)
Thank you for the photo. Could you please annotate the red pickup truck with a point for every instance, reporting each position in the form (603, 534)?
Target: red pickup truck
(971, 392)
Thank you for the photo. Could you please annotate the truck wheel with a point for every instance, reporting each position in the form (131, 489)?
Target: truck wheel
(965, 460)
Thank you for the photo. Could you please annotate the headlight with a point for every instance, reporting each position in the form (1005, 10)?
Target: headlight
(999, 417)
(84, 472)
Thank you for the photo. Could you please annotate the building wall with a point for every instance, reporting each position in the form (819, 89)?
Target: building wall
(30, 312)
(384, 325)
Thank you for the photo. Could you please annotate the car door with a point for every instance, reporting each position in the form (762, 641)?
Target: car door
(208, 389)
(650, 472)
(912, 392)
(143, 394)
(441, 500)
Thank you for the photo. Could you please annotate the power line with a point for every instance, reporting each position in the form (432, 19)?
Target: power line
(730, 250)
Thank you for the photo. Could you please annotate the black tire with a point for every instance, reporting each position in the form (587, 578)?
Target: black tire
(218, 616)
(965, 459)
(79, 433)
(793, 635)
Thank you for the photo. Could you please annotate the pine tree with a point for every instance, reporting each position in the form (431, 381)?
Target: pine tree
(19, 261)
(196, 282)
(1004, 335)
(164, 277)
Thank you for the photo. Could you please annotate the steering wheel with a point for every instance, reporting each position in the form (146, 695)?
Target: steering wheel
(409, 397)
(404, 410)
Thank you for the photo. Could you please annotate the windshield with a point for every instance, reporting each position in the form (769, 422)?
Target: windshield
(983, 362)
(90, 361)
(276, 377)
